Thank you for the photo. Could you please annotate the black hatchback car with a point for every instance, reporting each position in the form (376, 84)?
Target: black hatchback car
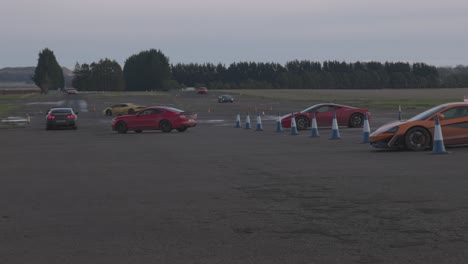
(61, 118)
(225, 99)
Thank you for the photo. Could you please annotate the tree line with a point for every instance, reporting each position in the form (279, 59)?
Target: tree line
(151, 70)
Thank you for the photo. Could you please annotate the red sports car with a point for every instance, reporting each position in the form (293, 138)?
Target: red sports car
(155, 118)
(345, 116)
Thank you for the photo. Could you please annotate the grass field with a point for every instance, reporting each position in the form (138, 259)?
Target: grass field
(11, 102)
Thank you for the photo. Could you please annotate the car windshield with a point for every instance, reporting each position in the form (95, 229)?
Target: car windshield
(309, 109)
(424, 115)
(61, 111)
(174, 109)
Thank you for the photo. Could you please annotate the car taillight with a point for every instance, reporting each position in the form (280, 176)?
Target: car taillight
(50, 117)
(70, 116)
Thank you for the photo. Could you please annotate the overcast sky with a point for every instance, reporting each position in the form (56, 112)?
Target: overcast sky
(198, 31)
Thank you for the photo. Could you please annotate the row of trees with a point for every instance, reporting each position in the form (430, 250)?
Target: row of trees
(308, 75)
(105, 75)
(150, 70)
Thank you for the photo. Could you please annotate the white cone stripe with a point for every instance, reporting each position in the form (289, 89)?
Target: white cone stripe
(438, 133)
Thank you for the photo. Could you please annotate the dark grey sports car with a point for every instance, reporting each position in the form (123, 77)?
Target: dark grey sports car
(225, 99)
(61, 118)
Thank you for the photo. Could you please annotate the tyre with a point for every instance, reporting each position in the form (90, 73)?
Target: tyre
(356, 120)
(417, 139)
(302, 122)
(74, 127)
(121, 127)
(182, 129)
(108, 112)
(138, 131)
(131, 111)
(48, 127)
(165, 126)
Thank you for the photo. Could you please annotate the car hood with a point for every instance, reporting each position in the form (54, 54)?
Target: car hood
(289, 115)
(387, 126)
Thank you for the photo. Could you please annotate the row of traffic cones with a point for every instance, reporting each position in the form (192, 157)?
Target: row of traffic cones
(314, 129)
(438, 143)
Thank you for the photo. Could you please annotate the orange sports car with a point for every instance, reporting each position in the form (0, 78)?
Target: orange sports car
(417, 132)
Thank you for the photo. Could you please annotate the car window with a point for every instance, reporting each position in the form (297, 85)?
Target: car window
(455, 112)
(325, 108)
(151, 112)
(61, 111)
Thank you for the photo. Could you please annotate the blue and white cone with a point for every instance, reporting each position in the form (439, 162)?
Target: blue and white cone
(293, 125)
(279, 128)
(365, 130)
(237, 121)
(399, 113)
(259, 123)
(314, 131)
(247, 121)
(335, 132)
(438, 146)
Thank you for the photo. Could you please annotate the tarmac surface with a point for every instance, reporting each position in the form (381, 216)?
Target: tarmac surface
(219, 194)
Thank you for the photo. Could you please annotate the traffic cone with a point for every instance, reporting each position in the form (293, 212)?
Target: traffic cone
(293, 126)
(279, 128)
(438, 144)
(335, 132)
(259, 123)
(399, 113)
(238, 125)
(365, 130)
(247, 121)
(314, 130)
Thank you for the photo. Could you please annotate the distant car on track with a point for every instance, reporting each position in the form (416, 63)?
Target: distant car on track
(61, 118)
(202, 90)
(72, 91)
(155, 118)
(225, 98)
(123, 109)
(345, 115)
(417, 132)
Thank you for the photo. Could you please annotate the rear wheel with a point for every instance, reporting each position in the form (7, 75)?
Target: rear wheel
(165, 126)
(302, 123)
(131, 111)
(417, 139)
(48, 127)
(121, 127)
(108, 112)
(356, 120)
(182, 129)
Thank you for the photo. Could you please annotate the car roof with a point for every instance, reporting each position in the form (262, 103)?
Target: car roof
(61, 108)
(170, 108)
(455, 103)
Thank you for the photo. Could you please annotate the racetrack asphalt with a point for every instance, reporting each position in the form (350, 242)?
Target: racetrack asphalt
(219, 194)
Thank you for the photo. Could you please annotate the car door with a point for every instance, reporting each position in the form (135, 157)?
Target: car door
(324, 115)
(454, 125)
(151, 118)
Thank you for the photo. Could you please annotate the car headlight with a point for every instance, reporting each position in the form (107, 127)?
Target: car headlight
(392, 130)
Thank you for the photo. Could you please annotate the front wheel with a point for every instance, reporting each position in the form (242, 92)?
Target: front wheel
(302, 123)
(165, 126)
(417, 139)
(356, 120)
(182, 129)
(121, 127)
(108, 112)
